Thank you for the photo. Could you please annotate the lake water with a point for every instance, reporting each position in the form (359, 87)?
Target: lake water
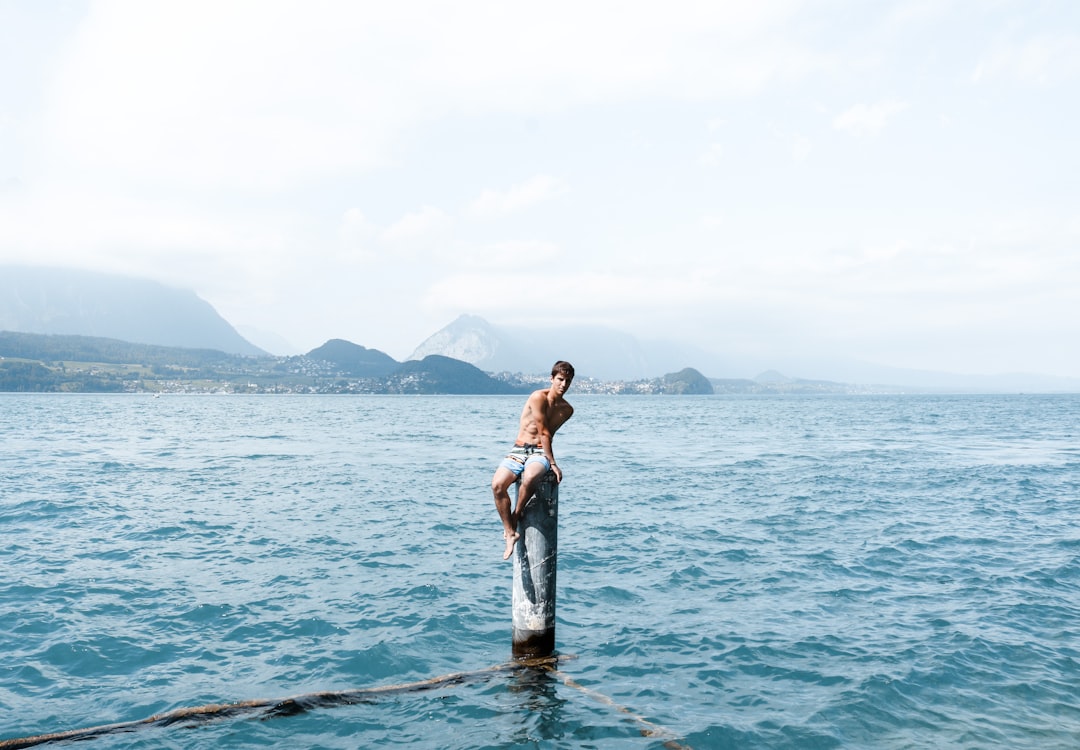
(734, 572)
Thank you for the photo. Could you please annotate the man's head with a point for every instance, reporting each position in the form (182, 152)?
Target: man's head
(562, 374)
(565, 368)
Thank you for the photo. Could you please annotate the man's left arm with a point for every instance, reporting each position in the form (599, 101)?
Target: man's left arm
(545, 436)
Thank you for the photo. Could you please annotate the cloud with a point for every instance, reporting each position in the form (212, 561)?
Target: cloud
(265, 95)
(569, 297)
(1040, 61)
(498, 254)
(418, 225)
(73, 223)
(799, 145)
(868, 119)
(713, 155)
(493, 203)
(157, 94)
(355, 236)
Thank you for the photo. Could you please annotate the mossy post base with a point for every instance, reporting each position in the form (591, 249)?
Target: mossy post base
(535, 566)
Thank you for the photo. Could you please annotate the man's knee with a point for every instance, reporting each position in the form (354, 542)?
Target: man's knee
(532, 473)
(500, 483)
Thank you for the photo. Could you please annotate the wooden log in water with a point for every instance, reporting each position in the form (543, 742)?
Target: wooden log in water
(535, 567)
(275, 708)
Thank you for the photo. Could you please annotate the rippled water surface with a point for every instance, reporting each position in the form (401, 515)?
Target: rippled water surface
(886, 572)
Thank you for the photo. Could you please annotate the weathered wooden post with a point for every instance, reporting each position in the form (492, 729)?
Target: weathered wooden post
(535, 564)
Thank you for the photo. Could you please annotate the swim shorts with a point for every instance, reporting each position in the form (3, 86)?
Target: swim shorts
(521, 455)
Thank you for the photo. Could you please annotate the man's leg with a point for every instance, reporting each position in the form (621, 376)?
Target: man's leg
(529, 478)
(500, 488)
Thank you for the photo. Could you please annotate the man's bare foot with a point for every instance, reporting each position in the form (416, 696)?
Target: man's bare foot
(511, 540)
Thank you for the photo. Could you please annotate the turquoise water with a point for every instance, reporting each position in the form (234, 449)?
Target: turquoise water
(810, 572)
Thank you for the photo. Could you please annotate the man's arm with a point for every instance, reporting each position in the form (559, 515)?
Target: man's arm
(540, 411)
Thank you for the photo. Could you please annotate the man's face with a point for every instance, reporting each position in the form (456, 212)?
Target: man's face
(560, 383)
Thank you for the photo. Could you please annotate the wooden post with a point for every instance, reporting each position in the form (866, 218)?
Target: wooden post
(535, 564)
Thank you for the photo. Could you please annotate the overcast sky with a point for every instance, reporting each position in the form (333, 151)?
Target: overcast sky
(894, 181)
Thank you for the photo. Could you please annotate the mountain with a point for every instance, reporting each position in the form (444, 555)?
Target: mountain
(86, 303)
(687, 382)
(438, 374)
(353, 359)
(595, 351)
(471, 339)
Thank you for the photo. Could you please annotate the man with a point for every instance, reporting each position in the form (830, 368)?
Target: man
(531, 457)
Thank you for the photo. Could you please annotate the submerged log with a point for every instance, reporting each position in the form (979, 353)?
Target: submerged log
(535, 565)
(270, 709)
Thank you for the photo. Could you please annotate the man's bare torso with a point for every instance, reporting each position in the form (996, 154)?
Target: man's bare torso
(539, 410)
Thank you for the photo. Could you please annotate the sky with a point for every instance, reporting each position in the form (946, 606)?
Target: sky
(892, 181)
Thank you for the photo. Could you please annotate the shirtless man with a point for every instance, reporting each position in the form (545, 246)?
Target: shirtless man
(531, 457)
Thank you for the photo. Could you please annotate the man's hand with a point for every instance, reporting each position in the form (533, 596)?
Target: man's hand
(558, 473)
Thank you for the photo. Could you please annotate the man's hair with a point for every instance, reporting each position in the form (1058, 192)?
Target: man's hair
(565, 368)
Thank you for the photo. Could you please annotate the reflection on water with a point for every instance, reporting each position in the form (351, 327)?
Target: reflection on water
(537, 699)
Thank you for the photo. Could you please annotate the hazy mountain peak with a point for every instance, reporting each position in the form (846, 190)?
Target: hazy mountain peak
(88, 303)
(469, 338)
(595, 351)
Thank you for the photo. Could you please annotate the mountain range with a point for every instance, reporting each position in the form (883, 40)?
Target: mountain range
(608, 354)
(67, 301)
(50, 363)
